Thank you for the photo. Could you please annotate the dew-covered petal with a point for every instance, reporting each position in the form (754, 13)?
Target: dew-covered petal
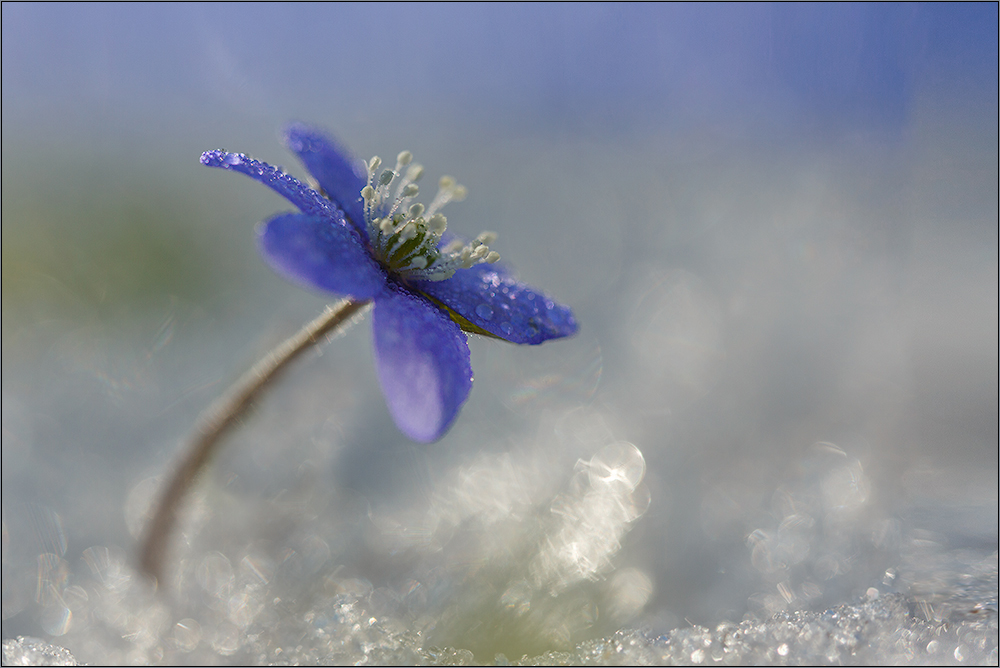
(423, 365)
(338, 173)
(318, 253)
(488, 297)
(305, 198)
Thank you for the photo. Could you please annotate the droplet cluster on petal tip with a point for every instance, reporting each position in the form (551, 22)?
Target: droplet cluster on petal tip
(405, 235)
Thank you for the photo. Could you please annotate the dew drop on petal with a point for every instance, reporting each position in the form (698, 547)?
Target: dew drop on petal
(484, 311)
(234, 159)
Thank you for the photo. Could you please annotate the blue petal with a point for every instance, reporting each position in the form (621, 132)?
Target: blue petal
(422, 360)
(339, 174)
(489, 298)
(319, 253)
(308, 200)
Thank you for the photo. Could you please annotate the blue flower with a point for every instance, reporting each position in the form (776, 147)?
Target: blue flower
(364, 236)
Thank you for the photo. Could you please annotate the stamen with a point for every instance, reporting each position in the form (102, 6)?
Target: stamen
(465, 257)
(448, 191)
(414, 172)
(408, 232)
(405, 237)
(437, 224)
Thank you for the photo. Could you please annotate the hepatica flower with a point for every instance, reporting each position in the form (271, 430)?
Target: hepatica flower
(362, 234)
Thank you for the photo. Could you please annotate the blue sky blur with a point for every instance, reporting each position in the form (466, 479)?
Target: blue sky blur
(744, 67)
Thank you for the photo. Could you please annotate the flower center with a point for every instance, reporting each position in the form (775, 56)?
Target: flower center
(405, 235)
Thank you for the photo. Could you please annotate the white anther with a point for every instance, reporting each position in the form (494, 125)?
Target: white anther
(419, 262)
(407, 232)
(386, 177)
(449, 190)
(491, 257)
(415, 172)
(374, 164)
(404, 158)
(480, 252)
(411, 190)
(385, 225)
(437, 224)
(458, 193)
(487, 237)
(367, 193)
(416, 210)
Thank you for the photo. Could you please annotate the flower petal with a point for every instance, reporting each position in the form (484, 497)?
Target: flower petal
(422, 360)
(338, 173)
(308, 200)
(320, 253)
(488, 297)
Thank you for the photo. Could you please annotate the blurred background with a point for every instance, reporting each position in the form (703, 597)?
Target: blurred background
(776, 224)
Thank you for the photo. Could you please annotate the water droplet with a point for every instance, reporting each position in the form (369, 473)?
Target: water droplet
(234, 159)
(484, 311)
(506, 328)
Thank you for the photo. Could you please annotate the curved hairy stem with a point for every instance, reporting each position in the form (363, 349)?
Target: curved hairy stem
(220, 416)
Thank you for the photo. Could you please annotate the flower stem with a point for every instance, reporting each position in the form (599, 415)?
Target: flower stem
(222, 414)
